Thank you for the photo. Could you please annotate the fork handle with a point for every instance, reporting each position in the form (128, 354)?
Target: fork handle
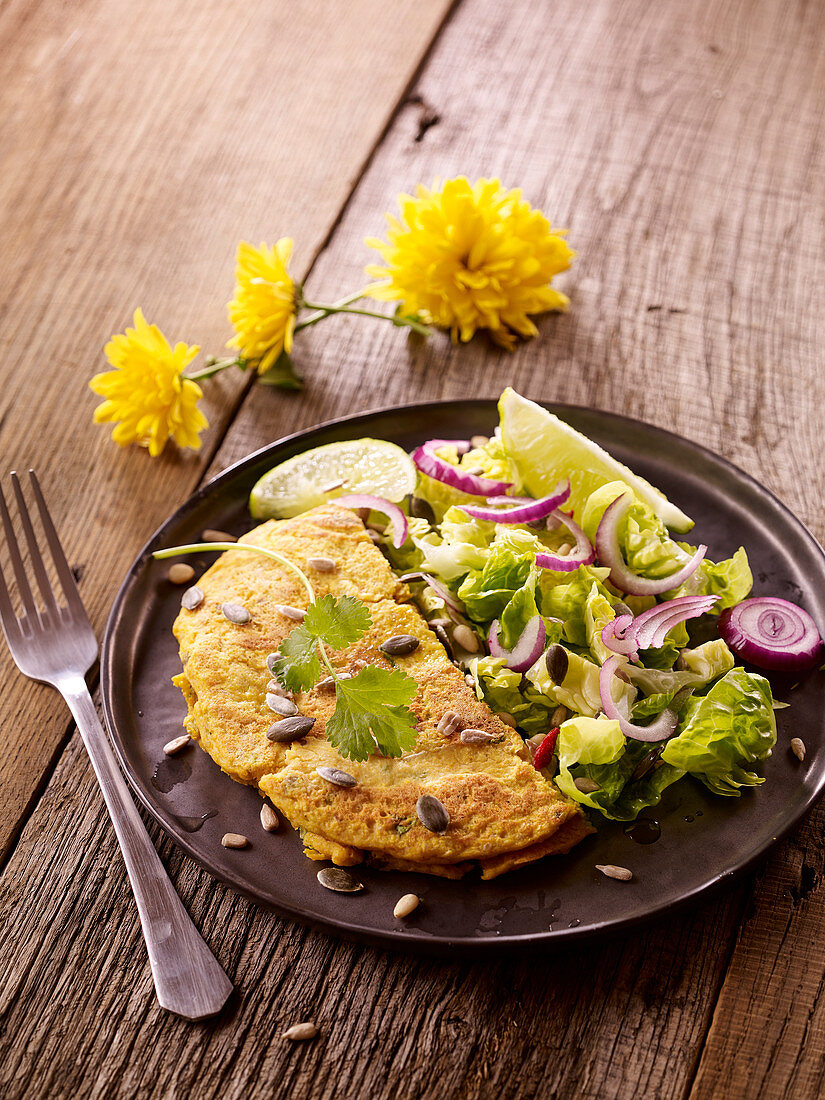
(188, 978)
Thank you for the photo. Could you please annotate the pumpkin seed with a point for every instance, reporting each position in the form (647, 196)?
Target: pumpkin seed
(322, 565)
(178, 743)
(290, 729)
(235, 613)
(646, 764)
(450, 723)
(294, 613)
(432, 813)
(279, 705)
(555, 661)
(798, 748)
(612, 871)
(422, 509)
(300, 1031)
(338, 777)
(269, 819)
(406, 905)
(180, 573)
(476, 737)
(234, 840)
(193, 597)
(444, 638)
(339, 880)
(586, 786)
(466, 638)
(400, 645)
(210, 535)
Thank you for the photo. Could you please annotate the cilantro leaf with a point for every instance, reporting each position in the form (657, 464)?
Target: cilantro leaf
(373, 708)
(338, 621)
(298, 666)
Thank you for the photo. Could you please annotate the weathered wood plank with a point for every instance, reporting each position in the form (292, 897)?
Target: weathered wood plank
(140, 142)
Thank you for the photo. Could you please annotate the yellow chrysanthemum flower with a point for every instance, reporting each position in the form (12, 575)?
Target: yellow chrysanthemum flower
(262, 311)
(146, 396)
(472, 256)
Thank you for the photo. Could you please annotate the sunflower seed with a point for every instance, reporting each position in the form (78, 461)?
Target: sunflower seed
(329, 682)
(469, 681)
(270, 661)
(322, 565)
(376, 538)
(476, 471)
(406, 905)
(400, 645)
(558, 716)
(433, 623)
(300, 1031)
(339, 880)
(450, 723)
(338, 777)
(586, 786)
(432, 813)
(178, 743)
(193, 597)
(210, 535)
(357, 665)
(234, 840)
(564, 549)
(508, 720)
(290, 729)
(476, 737)
(477, 441)
(331, 486)
(555, 661)
(612, 871)
(294, 613)
(466, 638)
(235, 613)
(269, 819)
(279, 705)
(421, 509)
(798, 748)
(275, 688)
(180, 573)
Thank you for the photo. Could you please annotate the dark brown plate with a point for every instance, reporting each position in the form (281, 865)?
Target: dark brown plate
(704, 839)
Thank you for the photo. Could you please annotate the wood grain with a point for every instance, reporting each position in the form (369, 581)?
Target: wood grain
(683, 148)
(140, 142)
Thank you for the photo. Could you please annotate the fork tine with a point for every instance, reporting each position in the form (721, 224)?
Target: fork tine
(63, 571)
(16, 560)
(8, 618)
(43, 582)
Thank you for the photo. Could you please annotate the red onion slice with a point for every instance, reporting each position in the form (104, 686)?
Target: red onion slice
(772, 633)
(664, 726)
(610, 554)
(527, 649)
(429, 463)
(441, 590)
(379, 504)
(529, 512)
(583, 554)
(620, 636)
(648, 630)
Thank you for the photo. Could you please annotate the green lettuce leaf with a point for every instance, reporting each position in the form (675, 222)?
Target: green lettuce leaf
(731, 580)
(703, 664)
(518, 612)
(723, 731)
(579, 690)
(567, 601)
(505, 692)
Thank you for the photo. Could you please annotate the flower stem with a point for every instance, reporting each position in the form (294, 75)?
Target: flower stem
(213, 366)
(343, 307)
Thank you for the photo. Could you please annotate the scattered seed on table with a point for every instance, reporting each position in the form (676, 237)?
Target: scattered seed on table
(234, 840)
(450, 723)
(476, 737)
(432, 813)
(294, 613)
(798, 748)
(586, 786)
(338, 777)
(278, 704)
(193, 597)
(176, 744)
(300, 1031)
(269, 819)
(406, 905)
(339, 880)
(322, 565)
(235, 613)
(466, 638)
(400, 645)
(290, 729)
(180, 573)
(211, 535)
(611, 871)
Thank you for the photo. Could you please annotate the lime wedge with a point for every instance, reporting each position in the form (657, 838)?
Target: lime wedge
(363, 465)
(545, 450)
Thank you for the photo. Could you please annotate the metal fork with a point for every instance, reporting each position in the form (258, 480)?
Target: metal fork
(57, 646)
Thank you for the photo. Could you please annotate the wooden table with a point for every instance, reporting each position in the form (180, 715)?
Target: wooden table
(683, 146)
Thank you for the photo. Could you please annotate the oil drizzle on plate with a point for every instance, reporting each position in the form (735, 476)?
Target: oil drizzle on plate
(644, 830)
(192, 824)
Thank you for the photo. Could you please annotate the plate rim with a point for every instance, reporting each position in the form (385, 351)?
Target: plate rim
(399, 938)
